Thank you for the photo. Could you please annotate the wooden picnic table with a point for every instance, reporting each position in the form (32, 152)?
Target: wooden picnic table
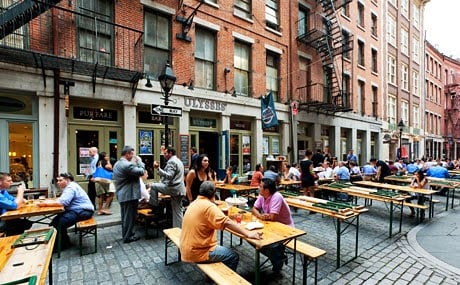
(273, 233)
(26, 261)
(350, 218)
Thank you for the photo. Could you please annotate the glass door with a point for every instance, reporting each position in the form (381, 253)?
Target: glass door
(20, 152)
(106, 139)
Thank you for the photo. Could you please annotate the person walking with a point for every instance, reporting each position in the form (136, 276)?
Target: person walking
(126, 174)
(171, 183)
(93, 153)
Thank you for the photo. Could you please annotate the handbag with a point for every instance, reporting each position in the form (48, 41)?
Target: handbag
(102, 175)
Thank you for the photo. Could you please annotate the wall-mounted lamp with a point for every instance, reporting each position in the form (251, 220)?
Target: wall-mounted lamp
(226, 70)
(189, 84)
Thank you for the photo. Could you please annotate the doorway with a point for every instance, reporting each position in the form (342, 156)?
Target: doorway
(207, 143)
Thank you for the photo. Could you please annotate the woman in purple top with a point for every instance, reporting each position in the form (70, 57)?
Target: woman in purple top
(271, 206)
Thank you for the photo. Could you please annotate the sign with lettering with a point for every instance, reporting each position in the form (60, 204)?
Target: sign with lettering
(204, 104)
(166, 111)
(184, 149)
(97, 114)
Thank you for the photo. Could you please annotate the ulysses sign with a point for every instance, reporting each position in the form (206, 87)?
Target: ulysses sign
(204, 104)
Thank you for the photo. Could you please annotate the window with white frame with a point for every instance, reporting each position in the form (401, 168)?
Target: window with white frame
(404, 41)
(405, 112)
(361, 52)
(242, 8)
(415, 82)
(416, 118)
(346, 8)
(272, 14)
(361, 96)
(374, 27)
(391, 70)
(241, 63)
(391, 30)
(391, 109)
(405, 8)
(375, 65)
(272, 71)
(360, 14)
(157, 42)
(415, 15)
(415, 49)
(404, 76)
(303, 21)
(205, 58)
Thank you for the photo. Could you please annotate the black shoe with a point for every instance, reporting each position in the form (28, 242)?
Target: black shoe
(132, 239)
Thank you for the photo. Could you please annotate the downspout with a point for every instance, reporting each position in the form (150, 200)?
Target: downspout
(56, 124)
(290, 149)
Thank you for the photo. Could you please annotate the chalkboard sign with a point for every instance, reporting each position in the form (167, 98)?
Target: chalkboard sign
(184, 149)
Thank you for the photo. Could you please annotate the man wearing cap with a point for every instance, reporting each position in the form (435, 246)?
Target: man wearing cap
(171, 183)
(126, 174)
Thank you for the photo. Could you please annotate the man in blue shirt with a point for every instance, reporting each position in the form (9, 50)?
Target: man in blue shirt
(368, 172)
(343, 173)
(77, 206)
(8, 202)
(437, 171)
(272, 174)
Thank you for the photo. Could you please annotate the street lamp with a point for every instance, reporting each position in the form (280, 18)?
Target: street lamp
(401, 128)
(167, 80)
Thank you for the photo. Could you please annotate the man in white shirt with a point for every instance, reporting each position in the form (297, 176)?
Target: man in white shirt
(327, 172)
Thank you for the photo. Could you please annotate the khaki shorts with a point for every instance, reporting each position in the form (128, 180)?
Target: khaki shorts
(104, 188)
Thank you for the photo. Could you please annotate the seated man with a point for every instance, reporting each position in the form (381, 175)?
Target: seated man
(437, 171)
(198, 242)
(271, 206)
(77, 205)
(8, 202)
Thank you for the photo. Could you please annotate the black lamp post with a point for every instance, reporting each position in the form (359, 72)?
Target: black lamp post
(167, 80)
(401, 128)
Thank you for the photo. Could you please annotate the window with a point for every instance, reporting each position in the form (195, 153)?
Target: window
(346, 8)
(375, 100)
(204, 58)
(374, 24)
(361, 59)
(243, 8)
(404, 76)
(17, 39)
(304, 78)
(405, 8)
(416, 118)
(415, 49)
(272, 79)
(361, 14)
(404, 41)
(303, 21)
(346, 90)
(361, 97)
(391, 109)
(391, 70)
(415, 15)
(394, 2)
(271, 14)
(405, 112)
(95, 41)
(346, 43)
(375, 61)
(241, 63)
(415, 83)
(391, 30)
(157, 40)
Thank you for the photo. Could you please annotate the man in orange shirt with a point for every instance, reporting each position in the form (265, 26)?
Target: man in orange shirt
(198, 242)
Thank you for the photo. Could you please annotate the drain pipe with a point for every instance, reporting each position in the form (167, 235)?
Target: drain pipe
(56, 124)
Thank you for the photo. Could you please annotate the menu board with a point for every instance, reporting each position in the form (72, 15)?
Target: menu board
(184, 149)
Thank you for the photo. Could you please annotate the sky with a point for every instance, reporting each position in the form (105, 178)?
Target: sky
(442, 26)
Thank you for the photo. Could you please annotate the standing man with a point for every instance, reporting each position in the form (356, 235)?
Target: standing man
(93, 153)
(126, 175)
(271, 206)
(171, 183)
(382, 169)
(194, 157)
(8, 202)
(351, 156)
(76, 204)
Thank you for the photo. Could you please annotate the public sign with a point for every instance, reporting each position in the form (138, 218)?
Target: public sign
(166, 111)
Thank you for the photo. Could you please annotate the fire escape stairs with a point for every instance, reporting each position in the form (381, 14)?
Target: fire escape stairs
(330, 45)
(21, 13)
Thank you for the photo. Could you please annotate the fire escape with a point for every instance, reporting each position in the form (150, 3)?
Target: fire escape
(452, 114)
(42, 35)
(336, 51)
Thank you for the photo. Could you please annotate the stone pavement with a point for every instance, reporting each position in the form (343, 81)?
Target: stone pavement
(421, 254)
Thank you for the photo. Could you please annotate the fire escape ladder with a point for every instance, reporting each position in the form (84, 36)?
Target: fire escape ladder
(21, 13)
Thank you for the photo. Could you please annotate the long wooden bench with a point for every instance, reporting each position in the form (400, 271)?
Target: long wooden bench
(309, 254)
(86, 228)
(217, 271)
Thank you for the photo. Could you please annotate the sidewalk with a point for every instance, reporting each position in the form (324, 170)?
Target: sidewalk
(421, 254)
